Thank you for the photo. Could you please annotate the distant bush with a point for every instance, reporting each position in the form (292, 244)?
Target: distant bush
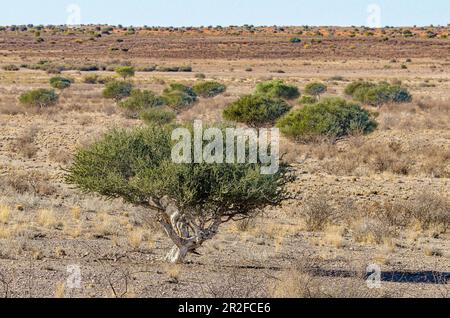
(332, 117)
(11, 68)
(141, 100)
(378, 94)
(125, 71)
(87, 68)
(39, 98)
(185, 68)
(315, 89)
(151, 68)
(306, 99)
(179, 96)
(200, 76)
(354, 86)
(209, 88)
(91, 79)
(277, 89)
(256, 110)
(158, 115)
(59, 82)
(117, 90)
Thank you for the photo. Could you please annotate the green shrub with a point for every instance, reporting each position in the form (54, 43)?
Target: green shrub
(117, 90)
(11, 68)
(91, 79)
(179, 96)
(378, 94)
(158, 115)
(295, 40)
(332, 117)
(59, 82)
(354, 86)
(306, 99)
(315, 89)
(277, 89)
(209, 88)
(141, 100)
(125, 71)
(256, 110)
(39, 98)
(136, 166)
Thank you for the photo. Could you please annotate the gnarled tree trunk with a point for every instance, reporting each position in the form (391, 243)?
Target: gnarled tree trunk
(185, 233)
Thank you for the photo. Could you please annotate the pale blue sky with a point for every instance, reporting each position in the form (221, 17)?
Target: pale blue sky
(227, 12)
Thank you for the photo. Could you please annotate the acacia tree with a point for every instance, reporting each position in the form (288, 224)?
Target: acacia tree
(189, 200)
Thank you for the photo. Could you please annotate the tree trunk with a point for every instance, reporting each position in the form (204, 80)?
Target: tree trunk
(186, 235)
(177, 254)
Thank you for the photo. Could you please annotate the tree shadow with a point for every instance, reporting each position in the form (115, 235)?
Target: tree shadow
(417, 277)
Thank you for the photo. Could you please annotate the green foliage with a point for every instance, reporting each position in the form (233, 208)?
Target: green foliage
(256, 110)
(137, 167)
(158, 116)
(315, 89)
(355, 86)
(278, 89)
(378, 94)
(59, 82)
(125, 71)
(306, 99)
(332, 117)
(39, 98)
(141, 100)
(209, 88)
(179, 96)
(295, 40)
(117, 90)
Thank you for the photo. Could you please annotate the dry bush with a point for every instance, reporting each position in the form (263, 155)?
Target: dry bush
(29, 182)
(25, 143)
(296, 284)
(245, 225)
(371, 231)
(436, 162)
(391, 214)
(430, 210)
(318, 213)
(60, 156)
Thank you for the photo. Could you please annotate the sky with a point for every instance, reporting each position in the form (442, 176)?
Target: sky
(227, 12)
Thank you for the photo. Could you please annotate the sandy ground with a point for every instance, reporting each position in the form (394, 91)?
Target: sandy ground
(50, 230)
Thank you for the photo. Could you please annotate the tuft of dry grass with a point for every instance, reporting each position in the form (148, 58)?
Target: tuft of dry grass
(334, 236)
(47, 218)
(5, 214)
(60, 290)
(173, 271)
(135, 238)
(295, 284)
